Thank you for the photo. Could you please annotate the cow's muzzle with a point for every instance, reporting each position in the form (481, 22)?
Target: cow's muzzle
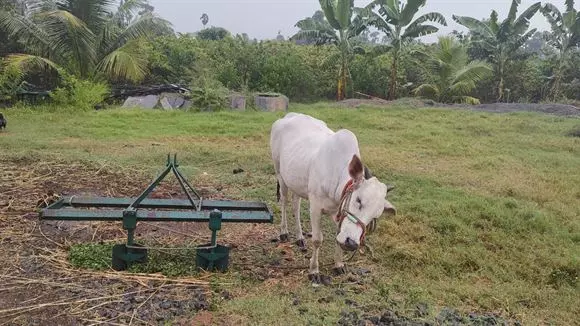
(349, 245)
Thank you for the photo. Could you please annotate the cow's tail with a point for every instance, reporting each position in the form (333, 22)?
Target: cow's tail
(278, 191)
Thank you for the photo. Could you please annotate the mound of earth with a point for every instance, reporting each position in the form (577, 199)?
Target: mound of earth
(565, 110)
(552, 108)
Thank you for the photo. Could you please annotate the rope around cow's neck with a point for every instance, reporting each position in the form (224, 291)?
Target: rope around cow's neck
(343, 213)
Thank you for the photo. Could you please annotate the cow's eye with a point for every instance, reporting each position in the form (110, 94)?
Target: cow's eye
(359, 202)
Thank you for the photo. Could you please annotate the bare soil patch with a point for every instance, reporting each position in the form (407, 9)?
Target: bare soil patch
(40, 286)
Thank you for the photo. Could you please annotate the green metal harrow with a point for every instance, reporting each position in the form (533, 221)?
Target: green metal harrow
(209, 257)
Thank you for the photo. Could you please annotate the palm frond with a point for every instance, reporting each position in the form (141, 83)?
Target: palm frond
(430, 91)
(419, 30)
(461, 88)
(474, 25)
(27, 32)
(146, 26)
(71, 36)
(27, 63)
(473, 71)
(125, 63)
(92, 12)
(466, 100)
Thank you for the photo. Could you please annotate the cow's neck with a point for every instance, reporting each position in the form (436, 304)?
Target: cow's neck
(343, 182)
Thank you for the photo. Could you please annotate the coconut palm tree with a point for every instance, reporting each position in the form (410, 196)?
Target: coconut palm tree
(396, 21)
(452, 76)
(87, 38)
(502, 40)
(565, 36)
(343, 24)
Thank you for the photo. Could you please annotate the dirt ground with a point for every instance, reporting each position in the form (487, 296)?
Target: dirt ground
(40, 287)
(554, 109)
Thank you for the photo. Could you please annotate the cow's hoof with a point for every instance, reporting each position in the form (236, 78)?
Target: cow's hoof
(318, 279)
(314, 278)
(302, 245)
(339, 270)
(284, 237)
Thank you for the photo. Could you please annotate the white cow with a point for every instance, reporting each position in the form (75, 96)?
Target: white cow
(315, 163)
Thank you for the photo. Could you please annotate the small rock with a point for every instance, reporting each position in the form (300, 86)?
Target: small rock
(296, 301)
(325, 300)
(138, 299)
(362, 271)
(448, 315)
(388, 317)
(165, 305)
(375, 320)
(421, 310)
(226, 295)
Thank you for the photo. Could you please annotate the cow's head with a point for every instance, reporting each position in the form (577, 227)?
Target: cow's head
(367, 202)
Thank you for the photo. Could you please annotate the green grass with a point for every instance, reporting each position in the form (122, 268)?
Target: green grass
(489, 204)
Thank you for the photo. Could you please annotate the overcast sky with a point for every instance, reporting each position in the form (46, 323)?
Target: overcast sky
(263, 19)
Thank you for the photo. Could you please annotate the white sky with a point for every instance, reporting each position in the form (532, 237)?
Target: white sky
(263, 19)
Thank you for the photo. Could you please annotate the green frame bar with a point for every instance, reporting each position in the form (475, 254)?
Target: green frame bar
(110, 202)
(72, 214)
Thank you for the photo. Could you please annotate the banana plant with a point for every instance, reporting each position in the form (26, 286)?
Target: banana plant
(502, 40)
(395, 19)
(342, 25)
(565, 36)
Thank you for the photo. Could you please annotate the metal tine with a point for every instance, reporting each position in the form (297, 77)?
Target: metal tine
(196, 206)
(188, 185)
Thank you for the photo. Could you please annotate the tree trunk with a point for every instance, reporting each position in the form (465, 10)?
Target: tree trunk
(558, 79)
(500, 86)
(342, 82)
(393, 84)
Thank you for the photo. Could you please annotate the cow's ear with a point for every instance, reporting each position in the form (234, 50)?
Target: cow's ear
(389, 208)
(355, 168)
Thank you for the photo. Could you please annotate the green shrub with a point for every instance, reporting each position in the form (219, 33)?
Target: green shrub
(78, 93)
(10, 78)
(209, 95)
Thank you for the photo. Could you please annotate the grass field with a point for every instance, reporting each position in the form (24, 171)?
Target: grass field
(488, 207)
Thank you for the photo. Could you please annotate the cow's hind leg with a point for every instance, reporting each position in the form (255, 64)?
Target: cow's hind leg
(296, 209)
(315, 214)
(283, 200)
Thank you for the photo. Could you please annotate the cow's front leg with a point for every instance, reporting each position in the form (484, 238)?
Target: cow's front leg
(296, 208)
(315, 214)
(339, 267)
(283, 204)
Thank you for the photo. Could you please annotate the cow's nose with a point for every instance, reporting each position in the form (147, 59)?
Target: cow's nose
(350, 245)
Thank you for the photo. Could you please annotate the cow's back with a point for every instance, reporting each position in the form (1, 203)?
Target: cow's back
(294, 141)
